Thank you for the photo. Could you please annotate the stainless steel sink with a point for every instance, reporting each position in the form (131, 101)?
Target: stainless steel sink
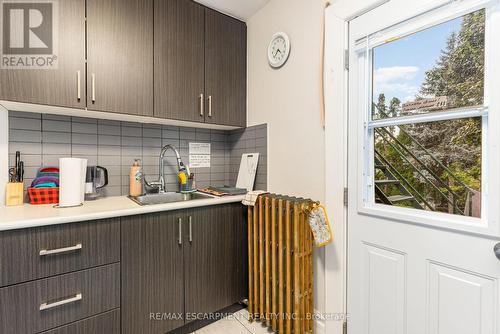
(169, 197)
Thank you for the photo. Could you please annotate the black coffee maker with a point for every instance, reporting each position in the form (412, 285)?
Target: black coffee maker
(96, 179)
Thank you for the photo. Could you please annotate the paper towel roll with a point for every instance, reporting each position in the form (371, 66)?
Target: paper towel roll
(72, 173)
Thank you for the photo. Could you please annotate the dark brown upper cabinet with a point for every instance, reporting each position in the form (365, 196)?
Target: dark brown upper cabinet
(179, 59)
(173, 59)
(120, 56)
(200, 64)
(225, 69)
(65, 85)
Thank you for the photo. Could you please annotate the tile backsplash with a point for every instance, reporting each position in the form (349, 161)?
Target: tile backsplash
(250, 140)
(43, 138)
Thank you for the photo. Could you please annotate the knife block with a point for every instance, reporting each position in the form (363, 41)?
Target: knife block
(14, 194)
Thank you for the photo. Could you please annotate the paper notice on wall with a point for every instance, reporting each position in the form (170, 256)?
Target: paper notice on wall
(199, 148)
(199, 155)
(199, 160)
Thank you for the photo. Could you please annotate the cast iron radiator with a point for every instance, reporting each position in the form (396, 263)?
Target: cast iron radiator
(280, 255)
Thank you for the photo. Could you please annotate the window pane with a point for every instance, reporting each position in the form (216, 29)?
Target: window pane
(439, 68)
(432, 166)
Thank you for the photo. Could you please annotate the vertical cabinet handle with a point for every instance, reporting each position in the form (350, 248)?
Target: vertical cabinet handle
(190, 229)
(180, 231)
(210, 106)
(202, 112)
(78, 85)
(93, 87)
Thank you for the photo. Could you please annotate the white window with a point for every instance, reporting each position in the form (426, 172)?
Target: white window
(424, 85)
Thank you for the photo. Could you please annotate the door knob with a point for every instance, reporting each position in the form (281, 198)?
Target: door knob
(497, 250)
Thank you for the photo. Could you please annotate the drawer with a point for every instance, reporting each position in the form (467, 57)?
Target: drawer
(30, 254)
(51, 302)
(106, 323)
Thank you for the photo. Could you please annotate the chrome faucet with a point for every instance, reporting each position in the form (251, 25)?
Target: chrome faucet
(161, 184)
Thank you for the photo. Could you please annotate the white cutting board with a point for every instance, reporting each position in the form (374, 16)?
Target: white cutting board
(248, 169)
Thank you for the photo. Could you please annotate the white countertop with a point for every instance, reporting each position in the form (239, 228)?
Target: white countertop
(26, 216)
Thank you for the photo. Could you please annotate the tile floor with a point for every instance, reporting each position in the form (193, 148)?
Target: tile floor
(237, 324)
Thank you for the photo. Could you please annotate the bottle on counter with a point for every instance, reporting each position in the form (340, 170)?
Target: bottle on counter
(192, 181)
(136, 178)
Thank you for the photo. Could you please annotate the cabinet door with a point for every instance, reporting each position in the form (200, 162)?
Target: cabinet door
(108, 323)
(211, 260)
(225, 69)
(152, 274)
(58, 87)
(20, 259)
(120, 56)
(239, 221)
(179, 60)
(21, 309)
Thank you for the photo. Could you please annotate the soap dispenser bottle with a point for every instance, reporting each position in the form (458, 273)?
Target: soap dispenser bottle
(136, 179)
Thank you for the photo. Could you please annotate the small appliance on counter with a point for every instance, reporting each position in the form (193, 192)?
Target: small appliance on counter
(96, 179)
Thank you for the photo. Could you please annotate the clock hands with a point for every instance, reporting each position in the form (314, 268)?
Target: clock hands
(278, 49)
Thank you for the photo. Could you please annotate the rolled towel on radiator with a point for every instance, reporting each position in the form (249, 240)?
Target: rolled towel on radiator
(251, 197)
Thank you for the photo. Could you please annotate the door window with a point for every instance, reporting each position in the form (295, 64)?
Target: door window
(428, 118)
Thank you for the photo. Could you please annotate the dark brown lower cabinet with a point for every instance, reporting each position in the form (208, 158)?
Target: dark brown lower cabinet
(188, 262)
(212, 262)
(152, 274)
(240, 272)
(105, 323)
(72, 247)
(176, 267)
(45, 304)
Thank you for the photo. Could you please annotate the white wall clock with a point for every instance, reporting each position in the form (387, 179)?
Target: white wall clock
(278, 50)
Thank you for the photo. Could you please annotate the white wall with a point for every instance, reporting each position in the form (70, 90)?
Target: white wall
(288, 100)
(302, 159)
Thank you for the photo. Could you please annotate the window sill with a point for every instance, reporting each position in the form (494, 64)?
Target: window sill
(480, 226)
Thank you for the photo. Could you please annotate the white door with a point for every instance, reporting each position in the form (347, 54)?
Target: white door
(424, 165)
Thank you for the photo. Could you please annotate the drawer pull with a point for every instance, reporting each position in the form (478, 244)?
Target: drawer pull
(47, 306)
(45, 252)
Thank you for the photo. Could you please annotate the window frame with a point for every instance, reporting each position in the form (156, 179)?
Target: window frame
(363, 51)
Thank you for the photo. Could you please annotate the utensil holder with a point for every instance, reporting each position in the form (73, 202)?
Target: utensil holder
(14, 194)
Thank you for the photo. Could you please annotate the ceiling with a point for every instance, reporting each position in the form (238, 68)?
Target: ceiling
(242, 9)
